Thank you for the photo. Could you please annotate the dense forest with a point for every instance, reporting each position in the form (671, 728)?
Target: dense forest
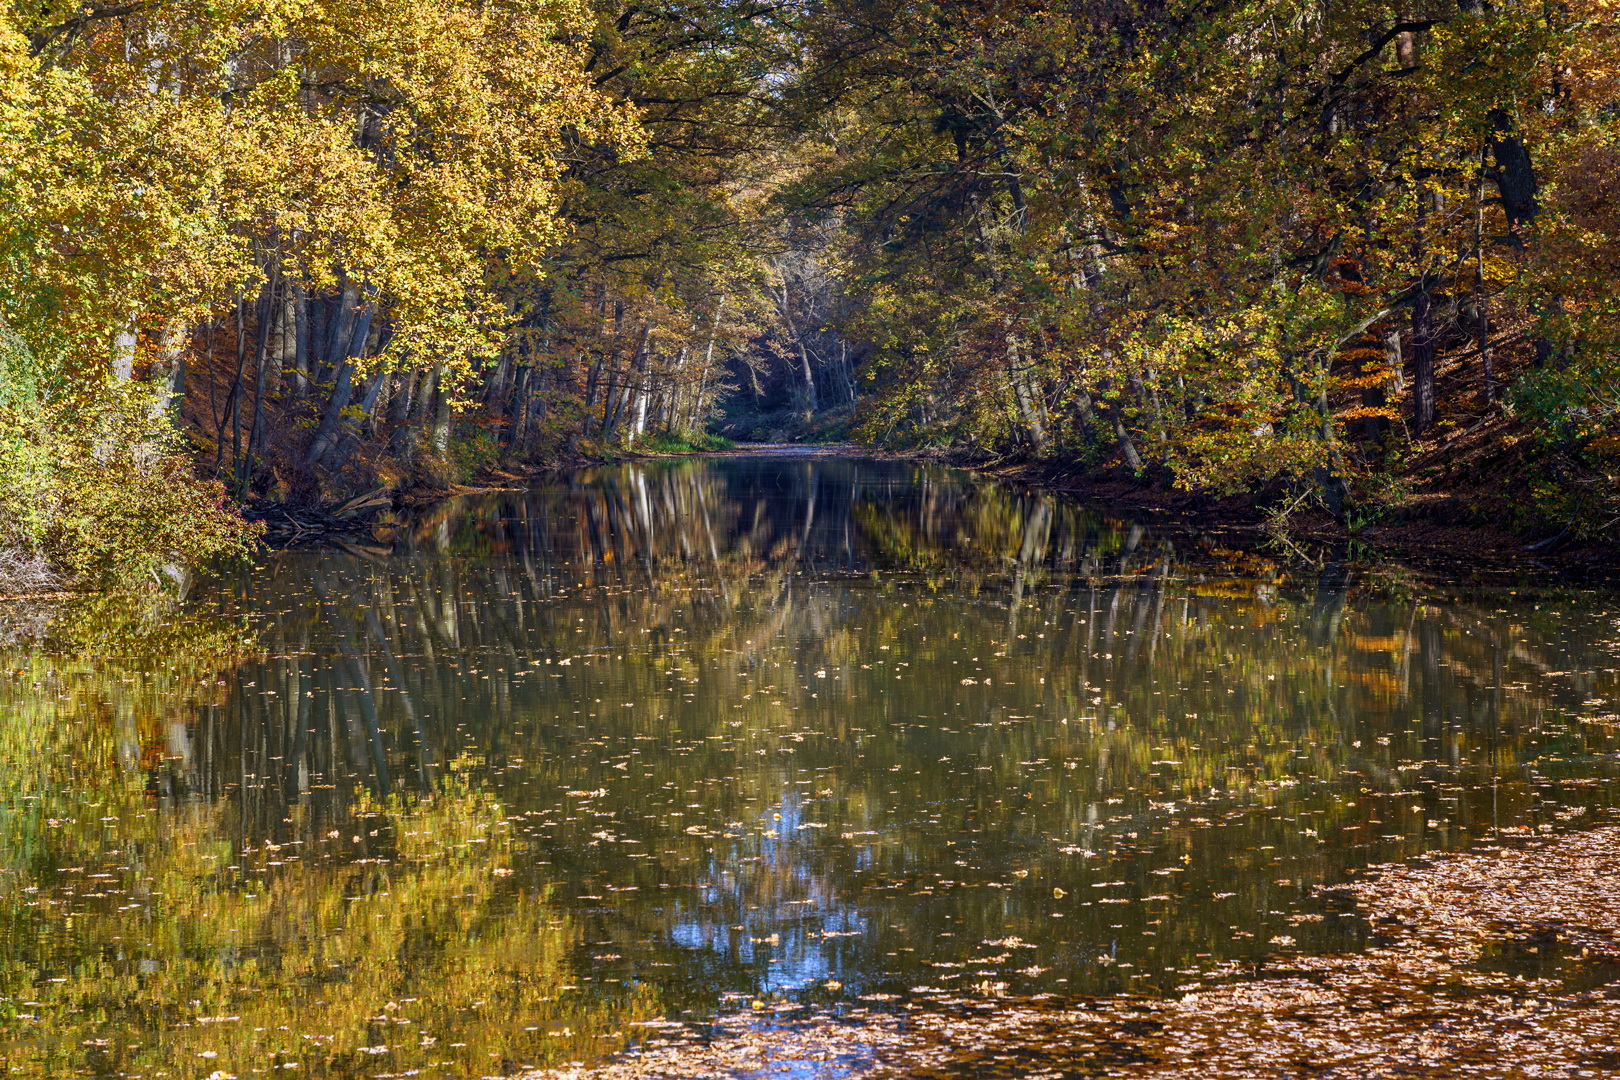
(1355, 256)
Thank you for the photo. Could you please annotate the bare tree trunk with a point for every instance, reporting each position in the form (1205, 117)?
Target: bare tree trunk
(1028, 409)
(441, 413)
(355, 322)
(300, 305)
(407, 387)
(1422, 329)
(643, 392)
(236, 383)
(1422, 360)
(784, 306)
(1126, 446)
(617, 403)
(1372, 395)
(1482, 322)
(520, 422)
(123, 352)
(263, 311)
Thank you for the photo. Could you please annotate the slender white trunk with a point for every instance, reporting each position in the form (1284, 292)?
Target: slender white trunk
(123, 351)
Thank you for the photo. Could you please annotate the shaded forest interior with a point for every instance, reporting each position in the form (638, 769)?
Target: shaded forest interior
(1352, 258)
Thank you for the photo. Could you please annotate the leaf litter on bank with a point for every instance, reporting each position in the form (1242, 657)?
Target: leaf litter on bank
(1500, 963)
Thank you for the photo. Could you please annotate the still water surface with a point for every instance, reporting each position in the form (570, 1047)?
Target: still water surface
(549, 770)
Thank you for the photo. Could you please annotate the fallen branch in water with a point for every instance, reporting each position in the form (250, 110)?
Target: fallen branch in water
(286, 524)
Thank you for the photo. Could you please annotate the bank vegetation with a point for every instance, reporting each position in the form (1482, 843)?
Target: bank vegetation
(285, 252)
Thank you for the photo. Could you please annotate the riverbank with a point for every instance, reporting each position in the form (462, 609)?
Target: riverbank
(1434, 531)
(1437, 533)
(1502, 962)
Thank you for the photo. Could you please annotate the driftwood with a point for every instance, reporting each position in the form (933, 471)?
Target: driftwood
(286, 524)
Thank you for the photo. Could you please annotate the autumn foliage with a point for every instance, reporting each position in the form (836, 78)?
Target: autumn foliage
(1298, 252)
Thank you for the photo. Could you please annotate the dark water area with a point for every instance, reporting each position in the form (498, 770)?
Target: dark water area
(548, 770)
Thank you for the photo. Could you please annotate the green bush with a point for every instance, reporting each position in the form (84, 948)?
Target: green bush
(94, 487)
(471, 452)
(1575, 466)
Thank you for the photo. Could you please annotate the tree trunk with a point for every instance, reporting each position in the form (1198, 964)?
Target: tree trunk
(355, 322)
(809, 379)
(441, 414)
(300, 305)
(123, 352)
(1422, 360)
(1482, 322)
(1028, 411)
(520, 422)
(171, 371)
(264, 311)
(236, 383)
(400, 406)
(1126, 446)
(1422, 325)
(326, 434)
(1373, 397)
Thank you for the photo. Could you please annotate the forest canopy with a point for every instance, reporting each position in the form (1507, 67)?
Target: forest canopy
(291, 251)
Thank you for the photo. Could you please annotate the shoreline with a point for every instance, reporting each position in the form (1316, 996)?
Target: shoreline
(1413, 536)
(1417, 536)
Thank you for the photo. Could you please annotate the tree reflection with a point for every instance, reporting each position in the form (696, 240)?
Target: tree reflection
(675, 731)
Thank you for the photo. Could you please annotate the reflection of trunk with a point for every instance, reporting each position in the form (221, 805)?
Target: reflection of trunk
(354, 666)
(811, 478)
(1328, 608)
(368, 715)
(304, 718)
(424, 747)
(1032, 551)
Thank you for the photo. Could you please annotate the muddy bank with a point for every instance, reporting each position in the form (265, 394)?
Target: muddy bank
(1500, 963)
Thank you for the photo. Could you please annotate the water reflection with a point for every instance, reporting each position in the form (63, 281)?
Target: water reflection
(550, 766)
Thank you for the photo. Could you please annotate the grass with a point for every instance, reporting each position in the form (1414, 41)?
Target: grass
(682, 442)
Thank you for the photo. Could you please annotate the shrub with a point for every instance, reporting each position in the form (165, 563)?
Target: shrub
(471, 452)
(95, 487)
(682, 442)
